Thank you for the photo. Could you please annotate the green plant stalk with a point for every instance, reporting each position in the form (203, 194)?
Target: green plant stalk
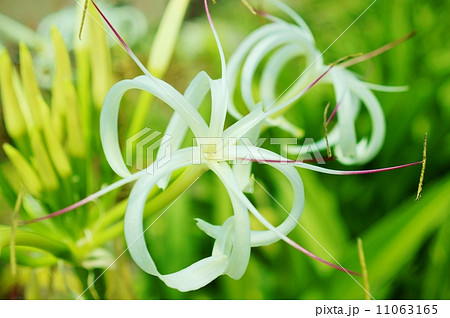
(26, 256)
(6, 190)
(365, 275)
(30, 239)
(12, 244)
(117, 212)
(86, 112)
(161, 200)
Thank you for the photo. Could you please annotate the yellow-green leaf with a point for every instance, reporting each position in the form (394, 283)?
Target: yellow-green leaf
(75, 141)
(56, 151)
(42, 162)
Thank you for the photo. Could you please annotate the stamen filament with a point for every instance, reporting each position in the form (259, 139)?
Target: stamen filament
(314, 256)
(351, 57)
(216, 37)
(379, 51)
(89, 198)
(422, 172)
(344, 62)
(286, 239)
(296, 97)
(325, 128)
(334, 111)
(122, 42)
(381, 169)
(302, 163)
(83, 18)
(248, 6)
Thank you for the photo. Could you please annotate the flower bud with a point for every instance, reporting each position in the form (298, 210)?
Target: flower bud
(13, 117)
(30, 85)
(26, 172)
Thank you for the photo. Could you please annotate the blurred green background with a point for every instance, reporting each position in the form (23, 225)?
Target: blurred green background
(406, 243)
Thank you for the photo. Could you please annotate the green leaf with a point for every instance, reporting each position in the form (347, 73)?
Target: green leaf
(321, 218)
(436, 284)
(31, 239)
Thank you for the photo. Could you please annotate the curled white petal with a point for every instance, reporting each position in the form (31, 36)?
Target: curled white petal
(240, 239)
(298, 19)
(263, 48)
(260, 238)
(346, 114)
(193, 277)
(353, 93)
(177, 128)
(236, 60)
(110, 112)
(231, 250)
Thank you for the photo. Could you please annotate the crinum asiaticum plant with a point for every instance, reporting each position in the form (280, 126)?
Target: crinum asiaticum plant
(216, 148)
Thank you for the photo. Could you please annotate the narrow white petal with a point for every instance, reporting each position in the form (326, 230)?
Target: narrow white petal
(259, 238)
(242, 127)
(240, 239)
(382, 88)
(219, 102)
(282, 123)
(321, 144)
(197, 275)
(208, 228)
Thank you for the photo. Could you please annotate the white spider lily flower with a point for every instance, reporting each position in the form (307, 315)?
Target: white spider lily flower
(234, 238)
(269, 49)
(231, 251)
